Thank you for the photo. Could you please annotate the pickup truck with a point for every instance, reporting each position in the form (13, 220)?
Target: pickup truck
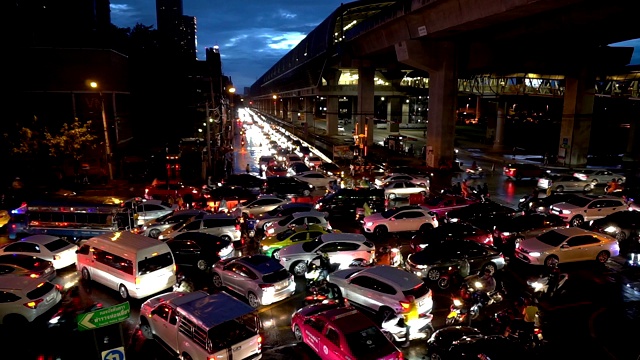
(199, 326)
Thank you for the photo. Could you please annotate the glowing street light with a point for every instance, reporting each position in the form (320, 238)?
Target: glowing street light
(232, 90)
(107, 144)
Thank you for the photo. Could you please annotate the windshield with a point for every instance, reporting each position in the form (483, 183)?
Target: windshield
(245, 203)
(285, 234)
(578, 201)
(552, 238)
(366, 342)
(163, 218)
(276, 276)
(152, 264)
(312, 245)
(56, 245)
(275, 211)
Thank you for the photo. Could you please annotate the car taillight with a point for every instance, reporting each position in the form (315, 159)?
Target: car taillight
(259, 342)
(489, 240)
(33, 304)
(137, 281)
(56, 257)
(237, 226)
(146, 191)
(405, 305)
(400, 355)
(34, 276)
(59, 287)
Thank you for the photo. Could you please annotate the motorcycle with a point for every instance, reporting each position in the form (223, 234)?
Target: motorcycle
(540, 285)
(471, 301)
(525, 202)
(529, 335)
(474, 172)
(183, 284)
(450, 276)
(395, 329)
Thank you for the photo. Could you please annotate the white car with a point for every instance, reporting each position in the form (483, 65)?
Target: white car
(404, 218)
(396, 189)
(297, 219)
(599, 176)
(24, 299)
(567, 245)
(562, 183)
(422, 181)
(152, 209)
(315, 178)
(261, 205)
(153, 228)
(342, 249)
(579, 209)
(52, 248)
(383, 289)
(313, 161)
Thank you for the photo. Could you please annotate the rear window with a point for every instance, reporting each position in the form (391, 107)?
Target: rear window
(56, 245)
(152, 264)
(366, 342)
(276, 276)
(40, 291)
(417, 291)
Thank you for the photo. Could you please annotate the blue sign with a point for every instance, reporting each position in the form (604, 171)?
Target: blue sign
(114, 354)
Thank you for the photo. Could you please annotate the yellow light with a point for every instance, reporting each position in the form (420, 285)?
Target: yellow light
(232, 90)
(93, 84)
(115, 236)
(275, 97)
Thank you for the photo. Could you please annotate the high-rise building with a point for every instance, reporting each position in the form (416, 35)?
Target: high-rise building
(177, 31)
(168, 14)
(187, 37)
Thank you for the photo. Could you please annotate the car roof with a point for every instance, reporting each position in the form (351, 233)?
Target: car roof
(405, 280)
(572, 231)
(343, 237)
(297, 204)
(308, 213)
(261, 263)
(40, 239)
(268, 196)
(347, 319)
(21, 282)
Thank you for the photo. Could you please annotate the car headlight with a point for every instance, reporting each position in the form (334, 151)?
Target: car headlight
(369, 223)
(536, 286)
(421, 266)
(506, 233)
(457, 302)
(310, 186)
(270, 231)
(265, 247)
(566, 211)
(611, 229)
(453, 220)
(534, 254)
(161, 237)
(477, 285)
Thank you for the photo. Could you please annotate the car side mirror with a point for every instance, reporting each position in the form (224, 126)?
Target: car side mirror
(565, 246)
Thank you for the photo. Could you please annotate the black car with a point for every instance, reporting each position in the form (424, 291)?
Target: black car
(200, 250)
(441, 340)
(468, 347)
(346, 201)
(298, 168)
(452, 231)
(623, 225)
(282, 185)
(247, 181)
(437, 257)
(509, 230)
(477, 211)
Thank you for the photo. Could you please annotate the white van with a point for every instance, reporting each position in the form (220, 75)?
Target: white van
(135, 265)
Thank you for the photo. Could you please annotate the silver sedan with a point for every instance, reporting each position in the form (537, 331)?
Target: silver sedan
(561, 183)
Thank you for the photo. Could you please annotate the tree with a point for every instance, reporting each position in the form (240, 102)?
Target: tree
(72, 142)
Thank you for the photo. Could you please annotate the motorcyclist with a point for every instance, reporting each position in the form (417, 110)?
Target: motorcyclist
(488, 283)
(554, 278)
(395, 257)
(464, 268)
(612, 186)
(324, 264)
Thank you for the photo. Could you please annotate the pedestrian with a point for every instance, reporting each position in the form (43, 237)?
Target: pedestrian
(180, 202)
(352, 170)
(464, 189)
(546, 158)
(248, 169)
(411, 151)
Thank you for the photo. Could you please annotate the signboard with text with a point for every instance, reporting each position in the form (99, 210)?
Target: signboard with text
(103, 317)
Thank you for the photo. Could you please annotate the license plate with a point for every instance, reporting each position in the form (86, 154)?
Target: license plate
(48, 270)
(282, 285)
(452, 315)
(50, 297)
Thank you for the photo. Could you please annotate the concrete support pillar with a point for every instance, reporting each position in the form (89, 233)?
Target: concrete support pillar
(278, 113)
(577, 114)
(633, 148)
(332, 115)
(478, 107)
(394, 109)
(354, 109)
(405, 112)
(366, 102)
(308, 111)
(292, 110)
(500, 115)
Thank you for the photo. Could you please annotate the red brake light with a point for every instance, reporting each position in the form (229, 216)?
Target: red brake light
(146, 190)
(34, 276)
(33, 304)
(537, 331)
(237, 226)
(266, 286)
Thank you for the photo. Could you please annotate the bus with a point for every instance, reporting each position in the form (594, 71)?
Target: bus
(71, 220)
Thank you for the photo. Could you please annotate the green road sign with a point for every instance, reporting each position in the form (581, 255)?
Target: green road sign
(103, 317)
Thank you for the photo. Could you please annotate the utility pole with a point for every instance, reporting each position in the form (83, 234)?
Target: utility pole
(208, 137)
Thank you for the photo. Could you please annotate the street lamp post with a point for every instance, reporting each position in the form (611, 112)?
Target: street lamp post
(94, 85)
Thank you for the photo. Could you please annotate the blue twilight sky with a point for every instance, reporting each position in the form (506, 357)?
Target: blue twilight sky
(252, 34)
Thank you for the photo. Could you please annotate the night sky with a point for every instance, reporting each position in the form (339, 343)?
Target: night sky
(252, 34)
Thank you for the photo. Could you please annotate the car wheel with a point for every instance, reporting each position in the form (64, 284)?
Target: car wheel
(254, 302)
(306, 192)
(518, 177)
(559, 188)
(587, 188)
(620, 181)
(154, 233)
(621, 236)
(602, 257)
(124, 293)
(145, 329)
(428, 331)
(85, 274)
(392, 196)
(299, 268)
(385, 313)
(217, 280)
(15, 321)
(297, 333)
(425, 227)
(594, 182)
(576, 221)
(276, 254)
(551, 261)
(202, 265)
(380, 230)
(490, 267)
(433, 274)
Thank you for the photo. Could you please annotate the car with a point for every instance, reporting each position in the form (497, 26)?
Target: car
(303, 151)
(199, 250)
(409, 170)
(291, 158)
(562, 183)
(479, 210)
(343, 332)
(280, 213)
(473, 347)
(276, 170)
(331, 169)
(161, 190)
(261, 279)
(383, 290)
(223, 225)
(523, 171)
(510, 231)
(436, 257)
(283, 185)
(313, 161)
(583, 208)
(403, 218)
(243, 180)
(266, 161)
(229, 192)
(567, 245)
(396, 189)
(27, 266)
(599, 176)
(441, 204)
(153, 228)
(444, 232)
(25, 299)
(346, 201)
(315, 178)
(541, 205)
(441, 340)
(297, 167)
(297, 219)
(623, 225)
(271, 245)
(60, 252)
(263, 204)
(148, 210)
(417, 180)
(342, 249)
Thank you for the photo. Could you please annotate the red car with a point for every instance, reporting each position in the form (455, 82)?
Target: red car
(160, 190)
(451, 231)
(523, 171)
(440, 204)
(341, 333)
(276, 170)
